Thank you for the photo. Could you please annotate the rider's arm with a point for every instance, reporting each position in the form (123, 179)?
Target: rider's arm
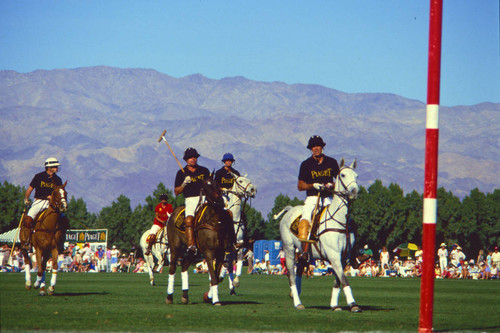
(28, 193)
(303, 186)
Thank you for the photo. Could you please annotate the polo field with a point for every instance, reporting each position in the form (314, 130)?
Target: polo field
(126, 302)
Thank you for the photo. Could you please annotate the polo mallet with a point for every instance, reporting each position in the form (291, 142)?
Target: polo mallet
(162, 137)
(17, 234)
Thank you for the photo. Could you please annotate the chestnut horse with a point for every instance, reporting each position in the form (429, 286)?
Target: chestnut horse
(214, 233)
(46, 236)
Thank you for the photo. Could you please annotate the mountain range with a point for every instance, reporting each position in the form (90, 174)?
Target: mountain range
(103, 124)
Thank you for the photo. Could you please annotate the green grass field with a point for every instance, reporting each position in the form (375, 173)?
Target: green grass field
(126, 302)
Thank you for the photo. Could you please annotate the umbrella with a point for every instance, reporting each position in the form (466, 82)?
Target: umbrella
(405, 249)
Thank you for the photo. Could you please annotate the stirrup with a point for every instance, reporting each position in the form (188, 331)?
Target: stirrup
(192, 250)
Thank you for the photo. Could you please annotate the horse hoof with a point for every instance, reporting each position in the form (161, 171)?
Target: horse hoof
(355, 309)
(42, 291)
(336, 308)
(232, 292)
(153, 283)
(236, 282)
(27, 286)
(206, 299)
(300, 307)
(169, 299)
(184, 300)
(51, 291)
(217, 304)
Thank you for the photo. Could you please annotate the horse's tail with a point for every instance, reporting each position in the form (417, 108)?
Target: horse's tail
(283, 211)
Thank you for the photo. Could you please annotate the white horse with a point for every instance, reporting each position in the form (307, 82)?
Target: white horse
(334, 239)
(160, 250)
(242, 189)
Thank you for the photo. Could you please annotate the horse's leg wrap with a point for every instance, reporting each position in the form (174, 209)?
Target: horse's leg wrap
(150, 240)
(170, 286)
(185, 280)
(348, 295)
(215, 294)
(334, 300)
(53, 278)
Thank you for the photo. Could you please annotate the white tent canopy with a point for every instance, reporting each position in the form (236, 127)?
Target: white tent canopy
(8, 237)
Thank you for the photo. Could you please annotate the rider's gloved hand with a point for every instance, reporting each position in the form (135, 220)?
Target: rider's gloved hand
(186, 181)
(27, 201)
(329, 186)
(318, 186)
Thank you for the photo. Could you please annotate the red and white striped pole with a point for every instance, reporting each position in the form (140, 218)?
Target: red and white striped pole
(431, 167)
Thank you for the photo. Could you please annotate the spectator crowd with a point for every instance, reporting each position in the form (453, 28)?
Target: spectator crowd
(450, 264)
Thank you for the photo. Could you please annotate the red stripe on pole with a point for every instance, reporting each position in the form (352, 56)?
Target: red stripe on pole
(434, 66)
(431, 167)
(427, 279)
(431, 162)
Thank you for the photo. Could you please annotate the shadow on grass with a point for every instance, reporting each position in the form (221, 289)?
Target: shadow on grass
(480, 328)
(346, 308)
(81, 294)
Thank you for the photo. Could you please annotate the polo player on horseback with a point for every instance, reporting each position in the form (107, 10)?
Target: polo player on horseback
(189, 182)
(224, 178)
(162, 213)
(43, 183)
(316, 174)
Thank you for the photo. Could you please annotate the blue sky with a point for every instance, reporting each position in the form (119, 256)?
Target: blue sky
(352, 46)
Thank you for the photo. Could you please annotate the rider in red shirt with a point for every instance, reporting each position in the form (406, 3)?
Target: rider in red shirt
(162, 213)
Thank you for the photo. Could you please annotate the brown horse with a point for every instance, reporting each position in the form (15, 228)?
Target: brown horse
(49, 228)
(214, 233)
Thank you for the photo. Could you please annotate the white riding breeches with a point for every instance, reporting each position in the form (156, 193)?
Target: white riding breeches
(154, 229)
(37, 206)
(191, 204)
(310, 204)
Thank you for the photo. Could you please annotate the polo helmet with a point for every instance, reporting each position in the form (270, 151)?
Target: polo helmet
(227, 157)
(190, 152)
(315, 141)
(52, 162)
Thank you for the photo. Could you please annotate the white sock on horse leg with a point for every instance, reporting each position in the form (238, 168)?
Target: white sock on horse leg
(223, 272)
(334, 301)
(170, 286)
(185, 280)
(239, 266)
(215, 294)
(295, 296)
(348, 295)
(53, 278)
(27, 273)
(231, 285)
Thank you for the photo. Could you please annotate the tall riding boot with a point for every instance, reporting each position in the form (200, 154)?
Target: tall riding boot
(303, 231)
(151, 240)
(28, 225)
(189, 223)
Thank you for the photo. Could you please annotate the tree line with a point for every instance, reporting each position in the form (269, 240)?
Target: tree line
(381, 216)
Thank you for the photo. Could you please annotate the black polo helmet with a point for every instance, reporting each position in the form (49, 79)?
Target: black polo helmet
(163, 196)
(190, 152)
(315, 141)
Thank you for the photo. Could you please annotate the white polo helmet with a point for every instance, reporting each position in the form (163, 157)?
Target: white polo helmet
(52, 162)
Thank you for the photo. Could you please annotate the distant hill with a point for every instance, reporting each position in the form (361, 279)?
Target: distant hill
(103, 124)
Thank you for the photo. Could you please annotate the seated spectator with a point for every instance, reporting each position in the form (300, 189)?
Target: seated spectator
(494, 271)
(93, 266)
(140, 267)
(201, 267)
(485, 271)
(437, 272)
